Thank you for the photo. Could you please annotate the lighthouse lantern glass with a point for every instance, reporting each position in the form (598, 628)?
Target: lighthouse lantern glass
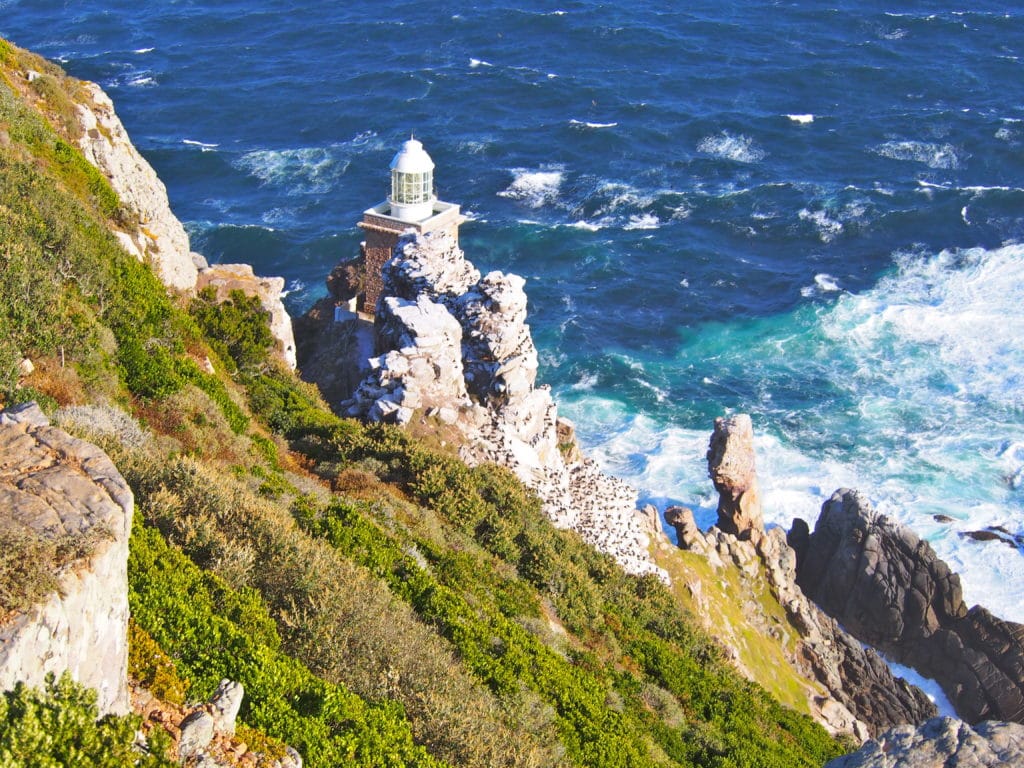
(411, 188)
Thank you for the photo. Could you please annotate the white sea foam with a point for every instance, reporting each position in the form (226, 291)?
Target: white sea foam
(681, 211)
(204, 146)
(584, 124)
(828, 228)
(141, 51)
(474, 63)
(473, 147)
(307, 170)
(926, 415)
(826, 282)
(823, 283)
(1012, 456)
(642, 221)
(931, 689)
(534, 188)
(142, 81)
(586, 382)
(278, 216)
(938, 156)
(941, 343)
(802, 119)
(726, 146)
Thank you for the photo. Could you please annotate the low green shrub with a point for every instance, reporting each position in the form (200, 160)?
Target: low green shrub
(58, 726)
(236, 327)
(336, 617)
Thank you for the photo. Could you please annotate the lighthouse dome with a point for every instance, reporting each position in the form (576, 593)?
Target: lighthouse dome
(412, 183)
(412, 158)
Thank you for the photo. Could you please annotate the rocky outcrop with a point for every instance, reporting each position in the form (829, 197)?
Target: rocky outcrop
(864, 697)
(731, 469)
(225, 278)
(203, 735)
(345, 282)
(159, 237)
(888, 588)
(331, 354)
(942, 742)
(455, 346)
(58, 488)
(421, 367)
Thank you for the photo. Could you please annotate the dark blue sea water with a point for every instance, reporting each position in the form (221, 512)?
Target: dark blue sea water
(813, 214)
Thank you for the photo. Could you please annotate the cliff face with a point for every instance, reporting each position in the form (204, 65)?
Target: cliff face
(60, 489)
(160, 237)
(455, 346)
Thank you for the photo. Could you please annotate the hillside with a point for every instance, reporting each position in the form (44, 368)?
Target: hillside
(381, 602)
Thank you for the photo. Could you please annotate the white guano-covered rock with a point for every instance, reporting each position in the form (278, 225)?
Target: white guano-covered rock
(421, 367)
(457, 345)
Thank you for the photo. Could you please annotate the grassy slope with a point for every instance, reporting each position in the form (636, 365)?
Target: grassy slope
(383, 603)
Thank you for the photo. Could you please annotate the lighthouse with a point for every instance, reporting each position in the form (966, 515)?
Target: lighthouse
(412, 206)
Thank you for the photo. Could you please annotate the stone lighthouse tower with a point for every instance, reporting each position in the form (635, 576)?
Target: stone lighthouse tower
(412, 206)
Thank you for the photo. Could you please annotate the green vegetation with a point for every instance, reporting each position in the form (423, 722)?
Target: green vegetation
(382, 603)
(57, 727)
(150, 665)
(726, 597)
(213, 631)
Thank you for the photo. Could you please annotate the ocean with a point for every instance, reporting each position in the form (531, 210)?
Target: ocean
(814, 215)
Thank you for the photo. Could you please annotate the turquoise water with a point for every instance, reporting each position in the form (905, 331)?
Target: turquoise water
(814, 215)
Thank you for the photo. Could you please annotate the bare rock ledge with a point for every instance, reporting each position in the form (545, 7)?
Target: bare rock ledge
(53, 485)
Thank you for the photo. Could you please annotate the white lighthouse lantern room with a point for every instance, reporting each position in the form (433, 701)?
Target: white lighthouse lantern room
(412, 183)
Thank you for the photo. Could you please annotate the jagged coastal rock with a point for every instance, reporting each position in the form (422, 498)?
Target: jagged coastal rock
(453, 345)
(864, 697)
(57, 487)
(888, 588)
(731, 468)
(941, 742)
